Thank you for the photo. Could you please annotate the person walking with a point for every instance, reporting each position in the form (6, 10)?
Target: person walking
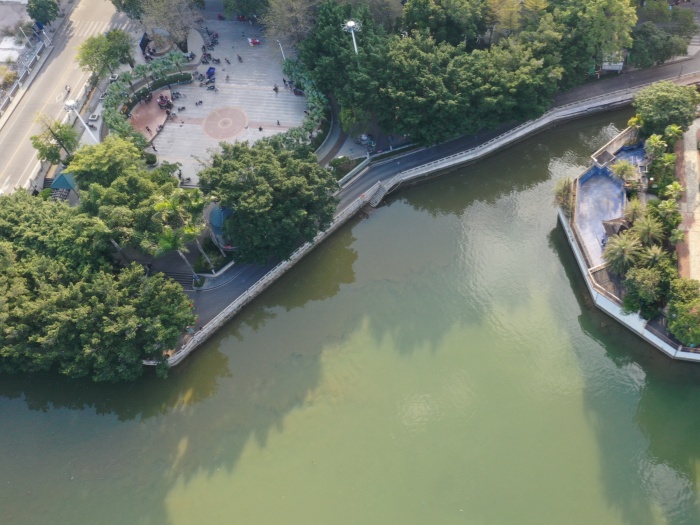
(154, 147)
(278, 123)
(149, 130)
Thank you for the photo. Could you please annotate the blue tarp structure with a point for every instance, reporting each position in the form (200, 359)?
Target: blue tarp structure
(217, 217)
(64, 181)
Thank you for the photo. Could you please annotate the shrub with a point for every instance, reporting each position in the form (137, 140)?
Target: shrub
(150, 159)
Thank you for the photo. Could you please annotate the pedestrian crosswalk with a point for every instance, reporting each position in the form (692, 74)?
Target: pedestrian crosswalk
(88, 28)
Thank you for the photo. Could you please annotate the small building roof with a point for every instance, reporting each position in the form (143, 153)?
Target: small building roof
(64, 181)
(615, 226)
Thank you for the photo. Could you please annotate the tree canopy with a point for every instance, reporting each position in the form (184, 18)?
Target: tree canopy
(665, 103)
(102, 163)
(65, 307)
(43, 11)
(280, 197)
(53, 138)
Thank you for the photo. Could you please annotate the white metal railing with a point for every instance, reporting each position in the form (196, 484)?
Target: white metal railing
(562, 112)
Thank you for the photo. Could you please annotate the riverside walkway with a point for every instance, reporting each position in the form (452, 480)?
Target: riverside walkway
(216, 307)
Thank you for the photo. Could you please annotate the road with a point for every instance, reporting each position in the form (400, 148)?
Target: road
(47, 93)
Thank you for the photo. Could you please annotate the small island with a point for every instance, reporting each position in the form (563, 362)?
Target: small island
(624, 219)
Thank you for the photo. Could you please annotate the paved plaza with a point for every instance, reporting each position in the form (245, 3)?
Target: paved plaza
(240, 107)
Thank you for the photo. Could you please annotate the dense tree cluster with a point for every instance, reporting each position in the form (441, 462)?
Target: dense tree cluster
(64, 306)
(280, 196)
(663, 104)
(463, 65)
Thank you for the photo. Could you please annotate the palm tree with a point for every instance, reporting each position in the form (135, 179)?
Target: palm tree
(649, 230)
(171, 240)
(677, 236)
(142, 71)
(673, 133)
(624, 169)
(655, 146)
(622, 252)
(176, 59)
(634, 210)
(183, 209)
(674, 190)
(668, 211)
(654, 256)
(128, 78)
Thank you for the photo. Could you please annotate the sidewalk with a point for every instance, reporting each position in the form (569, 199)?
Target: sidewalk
(67, 8)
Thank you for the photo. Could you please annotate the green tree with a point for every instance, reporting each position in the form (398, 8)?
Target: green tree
(652, 46)
(644, 288)
(623, 169)
(607, 25)
(176, 59)
(684, 311)
(655, 146)
(175, 240)
(93, 55)
(104, 162)
(54, 137)
(43, 11)
(131, 8)
(674, 191)
(634, 210)
(668, 212)
(665, 103)
(622, 252)
(649, 230)
(654, 256)
(676, 237)
(280, 197)
(119, 47)
(672, 134)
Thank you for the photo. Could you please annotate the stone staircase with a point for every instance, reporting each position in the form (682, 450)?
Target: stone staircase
(183, 279)
(378, 196)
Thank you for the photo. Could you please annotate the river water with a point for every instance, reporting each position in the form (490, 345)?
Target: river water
(438, 361)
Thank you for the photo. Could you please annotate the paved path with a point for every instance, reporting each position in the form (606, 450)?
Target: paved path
(243, 104)
(689, 251)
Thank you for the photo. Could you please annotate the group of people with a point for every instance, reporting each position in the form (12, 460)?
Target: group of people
(164, 102)
(149, 53)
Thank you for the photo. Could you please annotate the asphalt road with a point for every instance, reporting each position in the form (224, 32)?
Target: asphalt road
(47, 93)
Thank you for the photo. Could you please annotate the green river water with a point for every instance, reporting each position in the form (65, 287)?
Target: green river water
(438, 362)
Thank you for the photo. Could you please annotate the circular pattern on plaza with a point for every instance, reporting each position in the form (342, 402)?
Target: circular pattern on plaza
(225, 123)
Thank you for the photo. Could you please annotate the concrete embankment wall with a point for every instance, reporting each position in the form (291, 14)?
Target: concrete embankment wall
(266, 280)
(611, 305)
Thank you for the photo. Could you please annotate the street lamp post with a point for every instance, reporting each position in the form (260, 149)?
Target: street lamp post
(280, 44)
(351, 26)
(73, 105)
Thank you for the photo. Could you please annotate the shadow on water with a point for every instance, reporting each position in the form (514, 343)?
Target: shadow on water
(650, 476)
(240, 388)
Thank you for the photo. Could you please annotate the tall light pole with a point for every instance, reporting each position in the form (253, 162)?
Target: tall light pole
(351, 26)
(73, 105)
(280, 44)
